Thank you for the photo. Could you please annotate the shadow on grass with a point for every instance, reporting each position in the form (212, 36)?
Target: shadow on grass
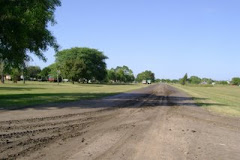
(123, 100)
(18, 88)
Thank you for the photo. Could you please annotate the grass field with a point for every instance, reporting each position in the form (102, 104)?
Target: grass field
(224, 99)
(32, 93)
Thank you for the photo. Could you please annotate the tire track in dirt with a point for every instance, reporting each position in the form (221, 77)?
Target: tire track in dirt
(158, 122)
(19, 138)
(130, 132)
(17, 144)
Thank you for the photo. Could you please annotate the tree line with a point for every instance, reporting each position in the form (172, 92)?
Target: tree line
(23, 29)
(198, 80)
(79, 65)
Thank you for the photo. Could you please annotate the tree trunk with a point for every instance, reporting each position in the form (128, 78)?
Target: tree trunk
(23, 77)
(2, 76)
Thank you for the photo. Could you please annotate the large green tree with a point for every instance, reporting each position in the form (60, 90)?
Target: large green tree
(121, 74)
(89, 63)
(111, 75)
(23, 28)
(54, 68)
(194, 80)
(45, 73)
(33, 72)
(73, 69)
(146, 75)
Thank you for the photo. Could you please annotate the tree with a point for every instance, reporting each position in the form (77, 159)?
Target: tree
(207, 80)
(222, 82)
(53, 70)
(15, 74)
(111, 75)
(184, 79)
(73, 69)
(236, 81)
(23, 28)
(194, 80)
(121, 74)
(33, 72)
(175, 81)
(45, 73)
(146, 75)
(92, 61)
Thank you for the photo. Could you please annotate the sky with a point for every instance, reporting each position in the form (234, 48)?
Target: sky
(168, 37)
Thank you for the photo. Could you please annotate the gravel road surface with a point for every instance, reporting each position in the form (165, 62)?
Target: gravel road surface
(152, 123)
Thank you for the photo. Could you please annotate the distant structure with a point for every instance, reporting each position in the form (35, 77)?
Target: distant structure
(204, 83)
(8, 77)
(146, 81)
(149, 81)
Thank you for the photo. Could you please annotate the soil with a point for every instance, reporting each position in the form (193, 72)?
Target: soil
(156, 122)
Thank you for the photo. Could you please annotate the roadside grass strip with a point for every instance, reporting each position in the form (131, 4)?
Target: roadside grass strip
(225, 99)
(13, 96)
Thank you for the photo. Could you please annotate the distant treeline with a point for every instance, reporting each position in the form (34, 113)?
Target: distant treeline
(77, 65)
(86, 65)
(198, 80)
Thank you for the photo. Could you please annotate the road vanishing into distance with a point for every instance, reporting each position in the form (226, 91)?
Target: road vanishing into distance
(152, 123)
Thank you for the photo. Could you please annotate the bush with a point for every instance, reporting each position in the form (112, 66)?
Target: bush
(222, 82)
(236, 81)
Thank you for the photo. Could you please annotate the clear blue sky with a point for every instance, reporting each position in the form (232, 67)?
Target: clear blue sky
(168, 37)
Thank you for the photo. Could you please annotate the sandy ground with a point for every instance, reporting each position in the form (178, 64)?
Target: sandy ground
(157, 122)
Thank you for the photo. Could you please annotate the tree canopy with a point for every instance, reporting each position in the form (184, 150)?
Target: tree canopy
(207, 80)
(33, 72)
(236, 81)
(45, 73)
(23, 28)
(184, 79)
(194, 80)
(84, 63)
(53, 70)
(73, 69)
(121, 74)
(146, 75)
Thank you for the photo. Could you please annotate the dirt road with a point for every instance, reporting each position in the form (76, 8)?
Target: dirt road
(158, 122)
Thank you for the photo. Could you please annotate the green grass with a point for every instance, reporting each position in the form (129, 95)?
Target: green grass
(20, 95)
(225, 99)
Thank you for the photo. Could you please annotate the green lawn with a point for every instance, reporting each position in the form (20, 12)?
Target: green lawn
(222, 99)
(32, 93)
